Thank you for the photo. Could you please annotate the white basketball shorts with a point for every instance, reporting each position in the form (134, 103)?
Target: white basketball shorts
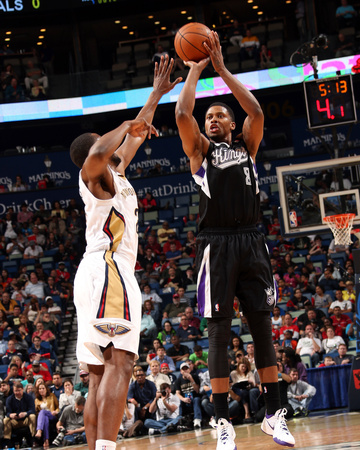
(108, 304)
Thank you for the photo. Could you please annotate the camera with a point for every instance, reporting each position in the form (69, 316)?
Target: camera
(163, 393)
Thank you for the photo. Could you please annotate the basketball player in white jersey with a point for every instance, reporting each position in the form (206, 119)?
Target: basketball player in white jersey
(106, 293)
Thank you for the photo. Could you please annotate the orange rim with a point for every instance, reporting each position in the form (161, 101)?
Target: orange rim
(341, 220)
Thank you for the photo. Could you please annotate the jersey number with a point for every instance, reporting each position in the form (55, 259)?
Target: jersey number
(247, 176)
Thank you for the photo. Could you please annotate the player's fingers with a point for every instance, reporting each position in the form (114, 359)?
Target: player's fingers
(177, 81)
(170, 66)
(156, 70)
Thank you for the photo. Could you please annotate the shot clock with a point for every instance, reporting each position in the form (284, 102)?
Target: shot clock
(330, 101)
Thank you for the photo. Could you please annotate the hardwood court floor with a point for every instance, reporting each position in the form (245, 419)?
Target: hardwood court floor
(327, 431)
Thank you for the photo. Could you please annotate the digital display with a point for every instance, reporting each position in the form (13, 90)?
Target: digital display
(30, 6)
(330, 101)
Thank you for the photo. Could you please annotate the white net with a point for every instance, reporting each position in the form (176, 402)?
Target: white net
(341, 226)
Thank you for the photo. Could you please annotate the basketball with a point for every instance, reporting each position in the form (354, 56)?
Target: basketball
(189, 40)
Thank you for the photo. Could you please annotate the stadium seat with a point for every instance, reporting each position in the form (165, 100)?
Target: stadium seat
(195, 198)
(151, 217)
(246, 338)
(167, 202)
(191, 287)
(180, 212)
(9, 264)
(46, 259)
(166, 215)
(204, 342)
(306, 359)
(188, 261)
(15, 257)
(3, 371)
(183, 200)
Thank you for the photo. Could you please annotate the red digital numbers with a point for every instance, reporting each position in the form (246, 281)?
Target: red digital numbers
(326, 109)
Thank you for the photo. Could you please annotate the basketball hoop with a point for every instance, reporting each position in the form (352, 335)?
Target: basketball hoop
(341, 225)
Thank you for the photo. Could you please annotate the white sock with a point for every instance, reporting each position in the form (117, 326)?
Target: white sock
(103, 444)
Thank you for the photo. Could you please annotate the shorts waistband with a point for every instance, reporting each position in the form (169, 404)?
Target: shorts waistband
(236, 230)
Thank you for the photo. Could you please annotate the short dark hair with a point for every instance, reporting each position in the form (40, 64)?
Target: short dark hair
(197, 348)
(79, 148)
(80, 401)
(224, 105)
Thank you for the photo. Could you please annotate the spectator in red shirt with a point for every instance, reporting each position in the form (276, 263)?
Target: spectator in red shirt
(148, 203)
(193, 321)
(153, 245)
(274, 228)
(162, 264)
(339, 321)
(40, 370)
(61, 273)
(172, 239)
(45, 335)
(288, 325)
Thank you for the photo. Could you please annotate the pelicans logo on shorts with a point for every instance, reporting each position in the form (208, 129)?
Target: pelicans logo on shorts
(112, 329)
(270, 292)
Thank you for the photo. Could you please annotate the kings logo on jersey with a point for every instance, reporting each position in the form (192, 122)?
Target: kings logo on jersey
(270, 292)
(223, 156)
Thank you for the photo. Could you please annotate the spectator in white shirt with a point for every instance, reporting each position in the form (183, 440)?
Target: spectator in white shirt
(309, 345)
(345, 305)
(332, 342)
(166, 405)
(33, 251)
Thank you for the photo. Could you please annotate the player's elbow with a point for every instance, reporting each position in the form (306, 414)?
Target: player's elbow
(182, 116)
(257, 113)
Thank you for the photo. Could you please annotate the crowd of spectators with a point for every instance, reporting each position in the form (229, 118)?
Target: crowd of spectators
(24, 83)
(313, 324)
(39, 254)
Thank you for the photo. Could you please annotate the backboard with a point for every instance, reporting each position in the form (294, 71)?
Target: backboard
(308, 192)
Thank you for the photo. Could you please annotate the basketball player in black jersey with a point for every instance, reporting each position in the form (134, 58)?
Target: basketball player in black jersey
(232, 257)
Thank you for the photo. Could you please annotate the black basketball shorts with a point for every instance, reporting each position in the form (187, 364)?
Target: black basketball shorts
(233, 263)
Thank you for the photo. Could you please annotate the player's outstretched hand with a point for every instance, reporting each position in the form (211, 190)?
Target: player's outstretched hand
(213, 47)
(197, 65)
(140, 127)
(162, 73)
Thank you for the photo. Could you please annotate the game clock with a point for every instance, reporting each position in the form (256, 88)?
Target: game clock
(330, 101)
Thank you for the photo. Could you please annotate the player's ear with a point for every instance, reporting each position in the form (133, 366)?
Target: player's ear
(232, 126)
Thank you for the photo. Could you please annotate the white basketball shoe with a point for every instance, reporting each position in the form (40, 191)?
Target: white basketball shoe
(226, 435)
(275, 426)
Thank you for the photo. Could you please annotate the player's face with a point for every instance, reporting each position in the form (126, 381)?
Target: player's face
(218, 124)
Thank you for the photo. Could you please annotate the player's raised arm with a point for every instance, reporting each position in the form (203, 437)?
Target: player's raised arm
(254, 123)
(195, 144)
(104, 147)
(161, 86)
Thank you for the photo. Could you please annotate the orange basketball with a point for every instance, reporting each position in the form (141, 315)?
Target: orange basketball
(189, 40)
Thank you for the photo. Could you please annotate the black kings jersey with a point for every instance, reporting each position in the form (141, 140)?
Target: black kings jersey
(228, 187)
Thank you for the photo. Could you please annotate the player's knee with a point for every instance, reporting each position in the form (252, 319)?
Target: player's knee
(219, 331)
(260, 327)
